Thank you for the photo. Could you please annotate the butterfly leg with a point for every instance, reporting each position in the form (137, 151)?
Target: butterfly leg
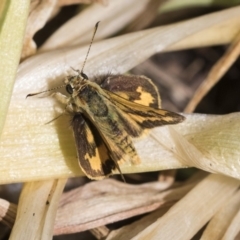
(61, 98)
(64, 100)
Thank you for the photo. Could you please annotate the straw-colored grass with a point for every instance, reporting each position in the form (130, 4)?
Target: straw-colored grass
(43, 155)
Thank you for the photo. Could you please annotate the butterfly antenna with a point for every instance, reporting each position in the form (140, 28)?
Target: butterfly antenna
(95, 30)
(49, 90)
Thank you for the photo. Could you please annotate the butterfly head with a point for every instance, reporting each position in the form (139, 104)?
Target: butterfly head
(75, 83)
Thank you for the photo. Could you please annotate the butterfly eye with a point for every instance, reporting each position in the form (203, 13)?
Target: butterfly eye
(69, 89)
(84, 76)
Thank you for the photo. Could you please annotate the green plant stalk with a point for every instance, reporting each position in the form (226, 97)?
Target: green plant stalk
(13, 21)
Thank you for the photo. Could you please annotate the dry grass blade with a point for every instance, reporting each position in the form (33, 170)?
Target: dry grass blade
(40, 12)
(194, 210)
(219, 224)
(150, 13)
(101, 197)
(221, 33)
(70, 2)
(131, 230)
(234, 228)
(115, 16)
(7, 212)
(36, 210)
(219, 69)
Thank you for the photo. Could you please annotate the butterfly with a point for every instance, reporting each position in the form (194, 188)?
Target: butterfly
(108, 112)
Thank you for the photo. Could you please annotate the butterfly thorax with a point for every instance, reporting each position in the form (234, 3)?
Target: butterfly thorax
(87, 97)
(74, 84)
(93, 100)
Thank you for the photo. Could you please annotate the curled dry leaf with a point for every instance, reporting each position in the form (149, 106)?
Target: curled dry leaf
(40, 12)
(94, 204)
(212, 146)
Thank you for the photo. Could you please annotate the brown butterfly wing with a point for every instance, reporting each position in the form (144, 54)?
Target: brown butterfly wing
(138, 89)
(146, 117)
(93, 154)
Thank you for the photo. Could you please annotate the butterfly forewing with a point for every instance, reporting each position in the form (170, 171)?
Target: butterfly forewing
(146, 117)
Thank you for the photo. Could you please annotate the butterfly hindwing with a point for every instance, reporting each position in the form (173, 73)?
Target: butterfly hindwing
(93, 153)
(138, 89)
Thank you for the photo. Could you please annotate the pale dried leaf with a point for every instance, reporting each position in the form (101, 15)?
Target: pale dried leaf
(221, 33)
(213, 144)
(40, 12)
(88, 199)
(172, 5)
(146, 18)
(193, 211)
(234, 228)
(131, 230)
(96, 202)
(78, 30)
(219, 224)
(37, 210)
